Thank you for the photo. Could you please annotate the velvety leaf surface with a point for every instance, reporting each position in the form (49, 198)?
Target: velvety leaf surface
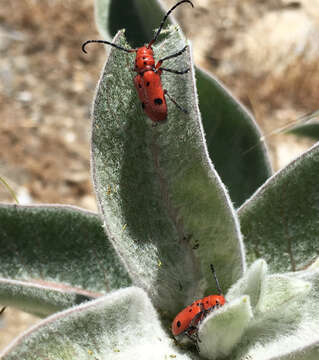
(232, 135)
(250, 284)
(165, 209)
(95, 330)
(41, 298)
(221, 331)
(287, 327)
(278, 289)
(281, 323)
(58, 248)
(280, 221)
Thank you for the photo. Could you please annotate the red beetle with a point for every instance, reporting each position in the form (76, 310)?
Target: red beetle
(148, 79)
(187, 321)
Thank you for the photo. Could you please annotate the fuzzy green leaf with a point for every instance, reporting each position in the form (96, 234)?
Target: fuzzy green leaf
(121, 325)
(41, 298)
(278, 290)
(283, 325)
(314, 265)
(233, 139)
(165, 209)
(308, 125)
(250, 284)
(222, 330)
(232, 135)
(286, 327)
(309, 130)
(48, 254)
(280, 221)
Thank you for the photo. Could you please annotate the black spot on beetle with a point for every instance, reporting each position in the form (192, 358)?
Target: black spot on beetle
(145, 62)
(148, 83)
(158, 101)
(178, 323)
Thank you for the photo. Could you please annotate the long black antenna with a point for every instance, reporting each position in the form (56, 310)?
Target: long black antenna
(164, 19)
(215, 276)
(106, 42)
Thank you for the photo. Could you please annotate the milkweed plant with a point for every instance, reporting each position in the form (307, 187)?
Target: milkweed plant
(173, 199)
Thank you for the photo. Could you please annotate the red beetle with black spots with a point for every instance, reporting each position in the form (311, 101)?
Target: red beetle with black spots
(148, 79)
(187, 321)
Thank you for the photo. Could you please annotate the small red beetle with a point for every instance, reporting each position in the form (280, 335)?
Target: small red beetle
(148, 79)
(187, 321)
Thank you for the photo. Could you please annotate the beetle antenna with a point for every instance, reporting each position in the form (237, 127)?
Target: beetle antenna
(164, 19)
(215, 277)
(105, 42)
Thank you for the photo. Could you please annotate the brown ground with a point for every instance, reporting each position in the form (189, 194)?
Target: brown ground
(47, 84)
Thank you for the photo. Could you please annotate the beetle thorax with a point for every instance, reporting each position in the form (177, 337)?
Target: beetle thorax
(144, 60)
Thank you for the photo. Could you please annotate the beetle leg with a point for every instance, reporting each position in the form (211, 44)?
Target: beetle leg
(192, 334)
(176, 104)
(175, 71)
(170, 57)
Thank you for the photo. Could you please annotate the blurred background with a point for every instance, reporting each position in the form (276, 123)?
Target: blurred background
(265, 52)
